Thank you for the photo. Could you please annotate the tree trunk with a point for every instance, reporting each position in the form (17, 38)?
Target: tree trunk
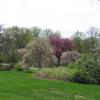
(58, 61)
(39, 62)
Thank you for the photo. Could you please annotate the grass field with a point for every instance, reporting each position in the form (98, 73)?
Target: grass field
(22, 86)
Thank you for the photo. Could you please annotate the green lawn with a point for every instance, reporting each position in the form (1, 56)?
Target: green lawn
(22, 86)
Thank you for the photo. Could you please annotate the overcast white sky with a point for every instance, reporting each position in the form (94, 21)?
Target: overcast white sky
(66, 16)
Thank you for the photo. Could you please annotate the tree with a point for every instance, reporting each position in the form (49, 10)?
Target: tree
(46, 33)
(36, 31)
(78, 38)
(61, 45)
(7, 48)
(93, 37)
(93, 32)
(69, 57)
(7, 42)
(86, 43)
(21, 35)
(39, 53)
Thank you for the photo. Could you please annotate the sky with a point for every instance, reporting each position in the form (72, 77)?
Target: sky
(67, 16)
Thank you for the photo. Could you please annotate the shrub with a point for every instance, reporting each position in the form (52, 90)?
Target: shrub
(69, 57)
(72, 65)
(32, 70)
(18, 67)
(59, 73)
(81, 77)
(5, 67)
(88, 70)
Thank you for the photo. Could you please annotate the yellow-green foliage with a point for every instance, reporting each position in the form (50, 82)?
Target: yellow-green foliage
(18, 67)
(60, 73)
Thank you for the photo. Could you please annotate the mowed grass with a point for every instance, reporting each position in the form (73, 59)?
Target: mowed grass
(22, 86)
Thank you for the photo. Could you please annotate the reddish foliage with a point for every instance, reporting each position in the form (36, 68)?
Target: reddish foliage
(61, 45)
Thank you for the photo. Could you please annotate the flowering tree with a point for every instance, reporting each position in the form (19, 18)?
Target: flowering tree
(61, 45)
(38, 54)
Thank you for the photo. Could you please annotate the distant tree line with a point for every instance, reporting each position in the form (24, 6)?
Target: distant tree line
(39, 43)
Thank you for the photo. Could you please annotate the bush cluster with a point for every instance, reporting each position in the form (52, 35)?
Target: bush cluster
(59, 73)
(32, 70)
(5, 67)
(88, 70)
(18, 67)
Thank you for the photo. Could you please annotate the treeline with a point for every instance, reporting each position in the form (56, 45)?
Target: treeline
(87, 42)
(46, 48)
(14, 38)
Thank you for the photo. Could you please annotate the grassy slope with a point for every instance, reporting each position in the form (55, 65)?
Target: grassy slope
(21, 86)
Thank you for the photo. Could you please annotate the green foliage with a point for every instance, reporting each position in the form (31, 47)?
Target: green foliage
(21, 35)
(11, 58)
(32, 70)
(18, 67)
(81, 77)
(78, 38)
(72, 65)
(85, 43)
(5, 67)
(36, 31)
(3, 57)
(59, 73)
(14, 38)
(88, 70)
(8, 52)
